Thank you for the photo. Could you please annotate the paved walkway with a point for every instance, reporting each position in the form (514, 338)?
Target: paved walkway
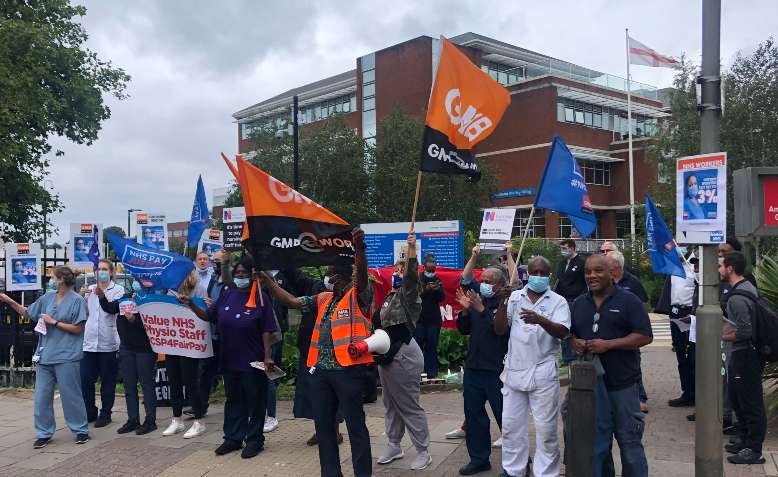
(669, 441)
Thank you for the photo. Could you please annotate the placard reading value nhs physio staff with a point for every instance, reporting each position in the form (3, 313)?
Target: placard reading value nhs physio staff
(386, 242)
(22, 266)
(173, 328)
(701, 199)
(496, 229)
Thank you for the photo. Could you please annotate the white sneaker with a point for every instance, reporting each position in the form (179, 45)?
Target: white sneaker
(271, 424)
(457, 433)
(497, 443)
(391, 453)
(197, 429)
(176, 426)
(422, 461)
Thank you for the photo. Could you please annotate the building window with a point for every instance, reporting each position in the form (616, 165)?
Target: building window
(566, 227)
(504, 74)
(623, 225)
(536, 229)
(596, 172)
(368, 98)
(598, 117)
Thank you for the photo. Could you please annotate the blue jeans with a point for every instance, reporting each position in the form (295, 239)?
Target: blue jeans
(427, 335)
(68, 376)
(139, 367)
(618, 413)
(479, 387)
(106, 367)
(272, 389)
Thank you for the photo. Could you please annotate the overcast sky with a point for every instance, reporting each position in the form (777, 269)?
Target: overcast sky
(195, 63)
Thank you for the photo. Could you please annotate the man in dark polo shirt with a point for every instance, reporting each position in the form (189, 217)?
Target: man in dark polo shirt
(609, 324)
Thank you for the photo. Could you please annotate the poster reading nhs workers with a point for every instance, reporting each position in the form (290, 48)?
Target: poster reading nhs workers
(22, 266)
(701, 199)
(152, 230)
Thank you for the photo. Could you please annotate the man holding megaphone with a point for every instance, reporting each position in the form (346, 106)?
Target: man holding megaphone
(339, 370)
(400, 366)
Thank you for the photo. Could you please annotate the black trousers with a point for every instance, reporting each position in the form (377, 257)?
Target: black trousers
(106, 367)
(745, 388)
(480, 387)
(244, 409)
(684, 355)
(209, 370)
(184, 372)
(341, 390)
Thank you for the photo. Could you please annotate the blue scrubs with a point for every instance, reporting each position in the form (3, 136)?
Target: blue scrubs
(60, 355)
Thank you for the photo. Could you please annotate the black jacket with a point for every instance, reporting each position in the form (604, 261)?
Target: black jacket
(430, 301)
(300, 284)
(571, 280)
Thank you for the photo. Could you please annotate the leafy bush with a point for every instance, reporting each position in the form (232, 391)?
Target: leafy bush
(452, 349)
(766, 274)
(290, 355)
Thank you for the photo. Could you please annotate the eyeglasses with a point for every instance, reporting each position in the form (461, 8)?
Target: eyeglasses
(596, 325)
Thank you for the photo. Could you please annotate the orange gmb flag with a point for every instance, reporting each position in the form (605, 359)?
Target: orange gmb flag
(466, 104)
(286, 228)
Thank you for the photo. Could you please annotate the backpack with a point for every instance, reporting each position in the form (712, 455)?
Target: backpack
(764, 324)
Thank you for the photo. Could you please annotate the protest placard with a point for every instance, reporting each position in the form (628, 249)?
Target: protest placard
(22, 266)
(233, 219)
(701, 199)
(174, 329)
(496, 228)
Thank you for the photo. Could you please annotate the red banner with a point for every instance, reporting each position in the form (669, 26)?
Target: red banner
(449, 278)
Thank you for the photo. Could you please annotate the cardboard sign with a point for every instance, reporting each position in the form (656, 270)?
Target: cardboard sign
(22, 266)
(701, 199)
(174, 329)
(496, 229)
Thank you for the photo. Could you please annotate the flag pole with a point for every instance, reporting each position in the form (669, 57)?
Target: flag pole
(629, 140)
(521, 246)
(415, 201)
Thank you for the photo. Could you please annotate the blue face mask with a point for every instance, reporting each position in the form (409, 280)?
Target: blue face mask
(103, 276)
(692, 191)
(682, 250)
(242, 282)
(52, 285)
(487, 290)
(565, 253)
(397, 281)
(537, 283)
(136, 286)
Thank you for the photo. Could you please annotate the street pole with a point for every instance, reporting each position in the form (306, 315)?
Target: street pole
(708, 457)
(295, 142)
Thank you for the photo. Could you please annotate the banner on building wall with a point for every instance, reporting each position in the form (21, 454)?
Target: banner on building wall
(174, 329)
(151, 230)
(496, 229)
(82, 238)
(701, 199)
(22, 266)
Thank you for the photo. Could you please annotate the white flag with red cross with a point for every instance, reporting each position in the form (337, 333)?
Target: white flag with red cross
(640, 54)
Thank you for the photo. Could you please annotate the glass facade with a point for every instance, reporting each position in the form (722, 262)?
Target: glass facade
(368, 98)
(308, 114)
(504, 74)
(623, 228)
(599, 117)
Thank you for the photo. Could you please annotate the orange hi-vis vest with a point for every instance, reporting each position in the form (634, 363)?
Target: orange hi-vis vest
(348, 325)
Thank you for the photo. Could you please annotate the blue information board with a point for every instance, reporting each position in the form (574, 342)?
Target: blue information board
(446, 239)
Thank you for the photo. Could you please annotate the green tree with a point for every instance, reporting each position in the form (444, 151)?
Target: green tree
(332, 168)
(50, 84)
(749, 124)
(443, 197)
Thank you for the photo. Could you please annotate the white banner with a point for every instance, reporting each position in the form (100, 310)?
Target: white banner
(151, 230)
(81, 240)
(173, 328)
(22, 266)
(496, 229)
(701, 199)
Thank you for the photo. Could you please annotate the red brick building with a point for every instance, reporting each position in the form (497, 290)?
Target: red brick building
(587, 108)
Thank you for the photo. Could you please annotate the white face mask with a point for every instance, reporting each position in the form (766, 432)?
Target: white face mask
(328, 283)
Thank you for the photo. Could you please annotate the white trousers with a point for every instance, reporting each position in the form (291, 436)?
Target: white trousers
(543, 402)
